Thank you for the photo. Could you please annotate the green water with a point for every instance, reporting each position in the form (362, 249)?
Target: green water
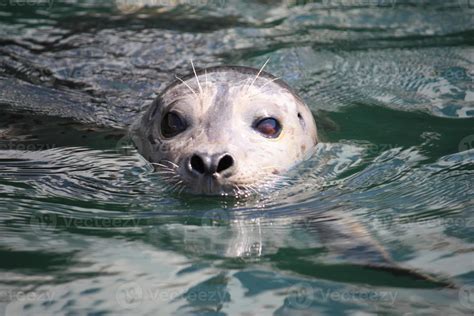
(378, 221)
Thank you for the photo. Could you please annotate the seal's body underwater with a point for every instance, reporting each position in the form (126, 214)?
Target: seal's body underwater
(225, 130)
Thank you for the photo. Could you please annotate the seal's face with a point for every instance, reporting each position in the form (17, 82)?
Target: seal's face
(225, 131)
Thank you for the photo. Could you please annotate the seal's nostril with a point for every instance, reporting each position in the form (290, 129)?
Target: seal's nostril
(205, 164)
(225, 162)
(197, 164)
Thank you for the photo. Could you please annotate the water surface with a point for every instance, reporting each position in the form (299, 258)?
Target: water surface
(378, 221)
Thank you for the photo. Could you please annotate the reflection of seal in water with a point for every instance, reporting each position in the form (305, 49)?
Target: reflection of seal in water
(225, 130)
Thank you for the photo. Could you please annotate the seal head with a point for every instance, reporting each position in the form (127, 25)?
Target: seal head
(225, 130)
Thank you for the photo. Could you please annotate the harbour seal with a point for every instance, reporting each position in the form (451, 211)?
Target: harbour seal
(225, 130)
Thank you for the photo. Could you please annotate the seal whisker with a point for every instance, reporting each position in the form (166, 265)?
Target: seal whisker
(164, 168)
(194, 92)
(183, 186)
(249, 189)
(258, 74)
(253, 189)
(179, 186)
(166, 172)
(197, 79)
(159, 164)
(268, 82)
(269, 182)
(175, 186)
(168, 179)
(237, 190)
(256, 190)
(245, 84)
(239, 83)
(172, 164)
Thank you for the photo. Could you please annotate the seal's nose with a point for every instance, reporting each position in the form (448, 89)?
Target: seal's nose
(211, 164)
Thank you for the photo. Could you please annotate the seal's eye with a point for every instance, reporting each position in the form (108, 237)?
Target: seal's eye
(268, 127)
(172, 124)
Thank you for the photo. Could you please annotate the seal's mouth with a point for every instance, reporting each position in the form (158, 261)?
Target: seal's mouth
(215, 185)
(178, 181)
(210, 184)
